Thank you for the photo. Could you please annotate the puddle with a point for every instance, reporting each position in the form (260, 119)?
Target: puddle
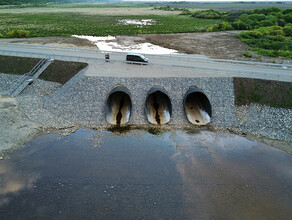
(137, 175)
(110, 43)
(139, 23)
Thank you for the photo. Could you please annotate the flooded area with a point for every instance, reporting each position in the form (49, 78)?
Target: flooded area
(95, 174)
(111, 43)
(137, 22)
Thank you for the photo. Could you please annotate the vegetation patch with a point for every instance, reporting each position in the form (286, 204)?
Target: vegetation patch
(67, 24)
(58, 71)
(62, 71)
(224, 26)
(269, 30)
(17, 65)
(266, 92)
(18, 34)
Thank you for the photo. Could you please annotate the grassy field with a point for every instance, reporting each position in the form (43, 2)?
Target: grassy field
(99, 5)
(235, 6)
(58, 71)
(266, 92)
(67, 24)
(17, 65)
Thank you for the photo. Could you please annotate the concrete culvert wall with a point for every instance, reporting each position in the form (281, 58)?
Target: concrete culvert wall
(118, 106)
(197, 106)
(158, 106)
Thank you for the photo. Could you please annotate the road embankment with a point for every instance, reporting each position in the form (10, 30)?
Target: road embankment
(81, 102)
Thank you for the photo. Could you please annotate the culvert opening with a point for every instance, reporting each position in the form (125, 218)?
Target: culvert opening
(158, 106)
(118, 106)
(197, 106)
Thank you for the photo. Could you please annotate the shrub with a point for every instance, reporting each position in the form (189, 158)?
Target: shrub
(247, 54)
(243, 17)
(252, 24)
(279, 15)
(224, 26)
(233, 16)
(287, 11)
(251, 34)
(288, 17)
(288, 30)
(276, 38)
(186, 12)
(257, 17)
(1, 35)
(281, 22)
(239, 25)
(275, 30)
(266, 23)
(18, 33)
(209, 14)
(267, 11)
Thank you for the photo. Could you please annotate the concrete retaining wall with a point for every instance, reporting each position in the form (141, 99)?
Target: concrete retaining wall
(82, 100)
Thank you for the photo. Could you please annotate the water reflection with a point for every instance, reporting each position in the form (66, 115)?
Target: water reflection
(13, 181)
(134, 175)
(230, 176)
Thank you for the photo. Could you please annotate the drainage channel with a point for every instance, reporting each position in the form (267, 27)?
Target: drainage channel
(158, 106)
(197, 106)
(118, 106)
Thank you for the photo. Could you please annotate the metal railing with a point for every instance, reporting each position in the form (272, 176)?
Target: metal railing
(29, 77)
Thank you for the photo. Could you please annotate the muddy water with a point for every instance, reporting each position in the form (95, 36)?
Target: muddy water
(174, 175)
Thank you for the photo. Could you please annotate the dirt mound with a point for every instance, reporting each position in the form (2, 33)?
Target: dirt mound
(221, 45)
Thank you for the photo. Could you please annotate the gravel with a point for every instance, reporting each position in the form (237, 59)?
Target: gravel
(81, 102)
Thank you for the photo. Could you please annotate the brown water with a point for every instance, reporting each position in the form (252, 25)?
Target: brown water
(174, 175)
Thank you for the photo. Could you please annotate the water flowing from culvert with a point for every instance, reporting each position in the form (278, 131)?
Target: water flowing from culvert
(93, 174)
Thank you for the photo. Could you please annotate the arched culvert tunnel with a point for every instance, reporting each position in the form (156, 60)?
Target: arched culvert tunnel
(118, 106)
(158, 106)
(197, 106)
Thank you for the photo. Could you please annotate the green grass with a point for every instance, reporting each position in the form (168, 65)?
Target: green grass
(58, 71)
(67, 24)
(267, 92)
(98, 5)
(247, 54)
(273, 53)
(17, 65)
